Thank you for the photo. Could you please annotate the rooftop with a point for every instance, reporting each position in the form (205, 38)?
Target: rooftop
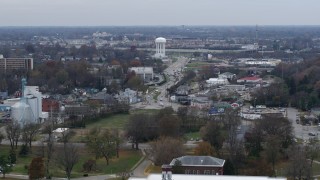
(205, 177)
(199, 161)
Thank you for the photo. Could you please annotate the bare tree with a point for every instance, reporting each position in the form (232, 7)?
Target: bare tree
(29, 131)
(141, 127)
(298, 164)
(67, 158)
(48, 129)
(13, 133)
(312, 149)
(272, 148)
(165, 149)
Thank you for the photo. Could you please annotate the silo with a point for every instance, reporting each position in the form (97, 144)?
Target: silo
(21, 112)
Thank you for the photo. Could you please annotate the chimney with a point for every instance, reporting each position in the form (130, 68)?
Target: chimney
(166, 172)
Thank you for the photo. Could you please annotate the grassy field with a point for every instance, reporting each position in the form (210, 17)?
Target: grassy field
(193, 135)
(127, 159)
(117, 121)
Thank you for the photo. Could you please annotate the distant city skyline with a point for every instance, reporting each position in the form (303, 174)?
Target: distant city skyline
(158, 12)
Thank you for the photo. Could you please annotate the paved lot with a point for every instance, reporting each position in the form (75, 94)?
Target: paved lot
(300, 131)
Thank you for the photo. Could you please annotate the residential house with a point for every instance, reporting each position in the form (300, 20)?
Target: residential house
(128, 96)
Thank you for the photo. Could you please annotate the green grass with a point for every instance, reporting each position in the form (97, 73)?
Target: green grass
(315, 169)
(19, 167)
(193, 135)
(127, 159)
(117, 121)
(113, 121)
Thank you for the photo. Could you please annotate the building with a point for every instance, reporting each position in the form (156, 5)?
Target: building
(249, 80)
(15, 63)
(128, 96)
(160, 47)
(145, 73)
(28, 108)
(235, 87)
(167, 175)
(202, 177)
(217, 81)
(200, 165)
(50, 105)
(227, 75)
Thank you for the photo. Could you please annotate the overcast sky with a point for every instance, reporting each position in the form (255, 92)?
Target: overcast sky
(158, 12)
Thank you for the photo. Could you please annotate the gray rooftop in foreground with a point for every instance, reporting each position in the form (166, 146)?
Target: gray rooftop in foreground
(199, 161)
(205, 177)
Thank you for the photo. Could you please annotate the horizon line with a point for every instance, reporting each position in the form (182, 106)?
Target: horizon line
(270, 25)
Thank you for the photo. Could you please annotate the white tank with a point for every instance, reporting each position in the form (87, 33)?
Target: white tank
(21, 112)
(33, 103)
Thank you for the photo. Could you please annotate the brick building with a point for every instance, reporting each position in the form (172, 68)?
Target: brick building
(205, 165)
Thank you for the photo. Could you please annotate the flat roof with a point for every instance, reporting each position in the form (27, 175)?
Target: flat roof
(205, 177)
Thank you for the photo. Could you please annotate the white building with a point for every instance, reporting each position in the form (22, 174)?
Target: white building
(160, 47)
(227, 75)
(27, 109)
(217, 81)
(170, 176)
(145, 73)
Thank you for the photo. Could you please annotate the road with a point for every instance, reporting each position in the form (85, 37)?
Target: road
(174, 73)
(300, 131)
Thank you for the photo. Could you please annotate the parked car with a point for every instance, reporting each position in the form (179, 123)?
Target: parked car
(312, 134)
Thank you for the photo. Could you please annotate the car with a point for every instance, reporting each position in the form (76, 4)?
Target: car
(312, 134)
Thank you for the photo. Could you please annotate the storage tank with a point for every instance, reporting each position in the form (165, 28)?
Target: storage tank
(33, 103)
(22, 113)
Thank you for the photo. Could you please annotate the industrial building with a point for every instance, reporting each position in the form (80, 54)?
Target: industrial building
(28, 108)
(15, 63)
(145, 73)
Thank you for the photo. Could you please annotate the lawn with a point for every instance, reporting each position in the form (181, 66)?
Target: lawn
(116, 121)
(192, 136)
(127, 159)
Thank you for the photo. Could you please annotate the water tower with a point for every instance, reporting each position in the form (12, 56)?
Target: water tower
(160, 47)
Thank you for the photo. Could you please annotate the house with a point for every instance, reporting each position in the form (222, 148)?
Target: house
(206, 165)
(128, 96)
(249, 80)
(227, 75)
(103, 98)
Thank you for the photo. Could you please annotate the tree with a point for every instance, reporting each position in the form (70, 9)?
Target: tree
(36, 168)
(48, 129)
(277, 126)
(273, 145)
(13, 133)
(29, 131)
(312, 150)
(5, 165)
(140, 128)
(298, 164)
(103, 143)
(1, 137)
(204, 149)
(213, 133)
(169, 125)
(67, 158)
(165, 149)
